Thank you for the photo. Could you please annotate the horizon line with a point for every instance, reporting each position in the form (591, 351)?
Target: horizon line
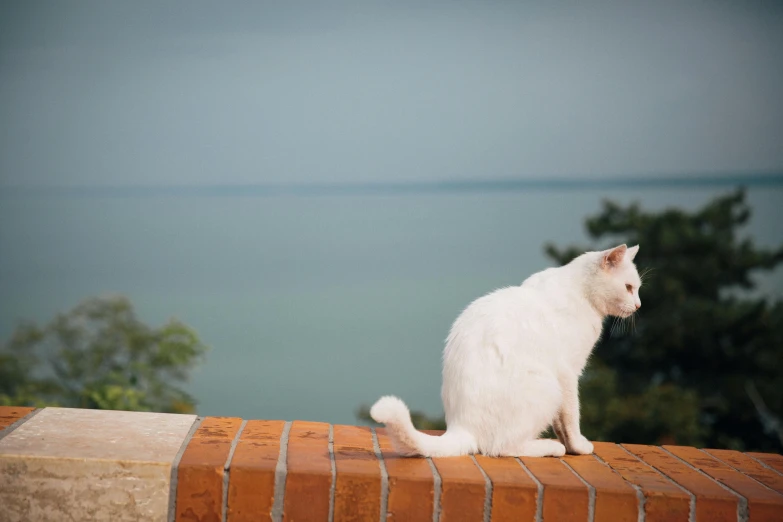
(400, 187)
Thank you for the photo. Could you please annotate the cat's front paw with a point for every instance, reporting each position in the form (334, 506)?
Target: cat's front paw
(579, 446)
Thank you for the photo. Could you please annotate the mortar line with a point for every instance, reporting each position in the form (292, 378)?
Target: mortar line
(765, 465)
(11, 427)
(281, 470)
(540, 496)
(487, 491)
(590, 493)
(384, 475)
(691, 503)
(173, 482)
(742, 504)
(437, 490)
(333, 485)
(736, 469)
(642, 501)
(227, 468)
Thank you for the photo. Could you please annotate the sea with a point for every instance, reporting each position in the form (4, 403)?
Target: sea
(314, 300)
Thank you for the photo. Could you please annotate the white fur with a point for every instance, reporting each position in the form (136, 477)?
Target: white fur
(513, 359)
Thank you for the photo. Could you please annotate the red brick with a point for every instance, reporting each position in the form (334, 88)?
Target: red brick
(763, 503)
(200, 473)
(251, 486)
(11, 414)
(749, 467)
(565, 496)
(411, 484)
(462, 489)
(514, 493)
(358, 485)
(664, 501)
(309, 472)
(713, 502)
(773, 460)
(615, 500)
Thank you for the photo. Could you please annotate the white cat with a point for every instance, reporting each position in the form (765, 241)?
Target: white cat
(513, 359)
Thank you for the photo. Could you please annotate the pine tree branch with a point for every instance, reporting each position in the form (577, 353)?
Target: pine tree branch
(771, 422)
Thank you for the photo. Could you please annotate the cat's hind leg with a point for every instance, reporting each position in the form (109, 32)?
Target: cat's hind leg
(538, 448)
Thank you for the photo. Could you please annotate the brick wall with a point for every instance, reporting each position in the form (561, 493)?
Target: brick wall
(234, 470)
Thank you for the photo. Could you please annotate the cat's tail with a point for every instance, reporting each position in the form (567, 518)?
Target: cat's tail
(406, 440)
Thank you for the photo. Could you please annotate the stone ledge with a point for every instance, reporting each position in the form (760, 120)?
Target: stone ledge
(60, 464)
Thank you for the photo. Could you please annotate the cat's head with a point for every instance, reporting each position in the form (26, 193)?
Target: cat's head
(615, 282)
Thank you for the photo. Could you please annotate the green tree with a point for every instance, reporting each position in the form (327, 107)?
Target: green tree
(100, 355)
(702, 362)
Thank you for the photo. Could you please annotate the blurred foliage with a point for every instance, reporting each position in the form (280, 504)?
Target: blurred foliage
(703, 363)
(99, 355)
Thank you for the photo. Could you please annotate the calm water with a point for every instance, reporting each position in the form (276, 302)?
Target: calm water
(312, 304)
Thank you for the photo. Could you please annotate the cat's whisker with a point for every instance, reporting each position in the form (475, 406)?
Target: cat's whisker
(615, 326)
(624, 323)
(643, 275)
(623, 326)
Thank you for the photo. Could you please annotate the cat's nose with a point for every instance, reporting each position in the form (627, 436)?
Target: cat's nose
(639, 305)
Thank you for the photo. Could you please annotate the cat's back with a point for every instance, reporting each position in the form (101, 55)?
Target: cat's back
(535, 293)
(512, 307)
(515, 323)
(545, 281)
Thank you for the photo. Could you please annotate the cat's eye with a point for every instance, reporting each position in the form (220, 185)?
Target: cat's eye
(629, 288)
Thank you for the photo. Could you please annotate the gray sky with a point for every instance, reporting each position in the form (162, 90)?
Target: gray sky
(196, 92)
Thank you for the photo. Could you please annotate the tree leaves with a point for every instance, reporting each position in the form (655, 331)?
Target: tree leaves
(682, 378)
(99, 355)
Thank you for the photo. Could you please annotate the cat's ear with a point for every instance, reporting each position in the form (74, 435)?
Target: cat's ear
(631, 253)
(613, 257)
